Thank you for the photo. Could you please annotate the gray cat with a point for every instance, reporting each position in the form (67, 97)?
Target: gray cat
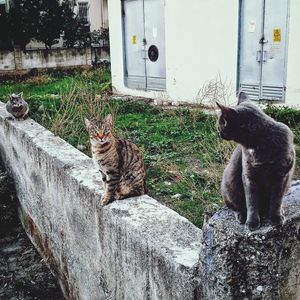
(17, 107)
(261, 167)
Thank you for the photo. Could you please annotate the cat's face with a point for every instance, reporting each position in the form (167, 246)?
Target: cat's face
(231, 122)
(100, 131)
(16, 100)
(227, 122)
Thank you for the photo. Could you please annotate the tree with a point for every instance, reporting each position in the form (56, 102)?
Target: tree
(23, 19)
(5, 37)
(76, 31)
(44, 21)
(50, 23)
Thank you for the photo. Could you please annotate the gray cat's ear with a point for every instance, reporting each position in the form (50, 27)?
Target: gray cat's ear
(242, 97)
(225, 109)
(87, 123)
(20, 95)
(109, 119)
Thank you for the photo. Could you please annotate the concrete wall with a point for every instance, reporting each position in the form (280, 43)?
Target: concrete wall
(7, 60)
(54, 58)
(201, 46)
(263, 264)
(130, 249)
(137, 248)
(42, 58)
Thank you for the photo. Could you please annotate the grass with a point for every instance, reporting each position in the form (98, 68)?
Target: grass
(184, 156)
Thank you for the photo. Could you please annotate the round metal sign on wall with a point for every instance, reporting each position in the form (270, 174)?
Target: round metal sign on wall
(153, 53)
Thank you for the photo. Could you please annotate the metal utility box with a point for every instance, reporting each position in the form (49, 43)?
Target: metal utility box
(263, 45)
(144, 44)
(191, 51)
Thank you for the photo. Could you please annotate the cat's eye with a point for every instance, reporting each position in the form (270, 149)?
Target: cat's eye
(223, 122)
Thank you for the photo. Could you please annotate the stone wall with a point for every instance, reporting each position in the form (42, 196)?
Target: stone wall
(7, 61)
(43, 58)
(264, 264)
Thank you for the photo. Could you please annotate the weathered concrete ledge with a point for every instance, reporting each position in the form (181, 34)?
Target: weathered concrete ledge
(130, 249)
(138, 248)
(265, 264)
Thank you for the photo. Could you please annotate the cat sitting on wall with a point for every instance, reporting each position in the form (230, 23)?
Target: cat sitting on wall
(261, 167)
(120, 162)
(17, 107)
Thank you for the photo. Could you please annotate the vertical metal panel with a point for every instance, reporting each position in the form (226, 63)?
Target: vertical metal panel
(155, 36)
(133, 42)
(263, 48)
(144, 26)
(275, 49)
(250, 35)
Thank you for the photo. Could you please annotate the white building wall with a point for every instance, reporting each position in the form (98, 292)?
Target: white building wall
(94, 13)
(197, 51)
(293, 63)
(201, 46)
(201, 43)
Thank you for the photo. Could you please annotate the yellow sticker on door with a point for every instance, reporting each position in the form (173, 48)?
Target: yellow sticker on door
(277, 35)
(134, 40)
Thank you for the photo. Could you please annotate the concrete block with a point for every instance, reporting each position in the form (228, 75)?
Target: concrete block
(130, 249)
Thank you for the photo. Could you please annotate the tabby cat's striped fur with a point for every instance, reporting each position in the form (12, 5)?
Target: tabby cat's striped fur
(120, 162)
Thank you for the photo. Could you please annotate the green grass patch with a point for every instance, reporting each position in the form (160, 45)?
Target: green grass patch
(184, 156)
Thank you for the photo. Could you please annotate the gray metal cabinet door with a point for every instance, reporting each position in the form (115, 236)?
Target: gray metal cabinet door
(155, 43)
(263, 48)
(251, 31)
(275, 50)
(133, 41)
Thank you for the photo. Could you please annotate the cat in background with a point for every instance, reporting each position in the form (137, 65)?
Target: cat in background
(17, 106)
(120, 162)
(261, 167)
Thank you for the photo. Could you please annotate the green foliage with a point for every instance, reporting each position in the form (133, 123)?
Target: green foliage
(100, 37)
(284, 114)
(44, 21)
(50, 22)
(76, 31)
(184, 156)
(5, 37)
(23, 18)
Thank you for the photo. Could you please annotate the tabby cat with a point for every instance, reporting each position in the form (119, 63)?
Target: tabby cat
(261, 167)
(120, 161)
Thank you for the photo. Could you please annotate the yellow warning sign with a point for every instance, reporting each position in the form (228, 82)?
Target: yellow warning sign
(133, 39)
(277, 35)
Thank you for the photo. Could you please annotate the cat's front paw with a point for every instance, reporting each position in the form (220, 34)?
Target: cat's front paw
(240, 217)
(277, 219)
(105, 200)
(253, 225)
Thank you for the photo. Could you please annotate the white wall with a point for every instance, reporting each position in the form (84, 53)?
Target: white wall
(201, 42)
(198, 48)
(95, 14)
(201, 45)
(293, 66)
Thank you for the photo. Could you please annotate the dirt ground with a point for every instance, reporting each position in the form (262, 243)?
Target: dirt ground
(23, 274)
